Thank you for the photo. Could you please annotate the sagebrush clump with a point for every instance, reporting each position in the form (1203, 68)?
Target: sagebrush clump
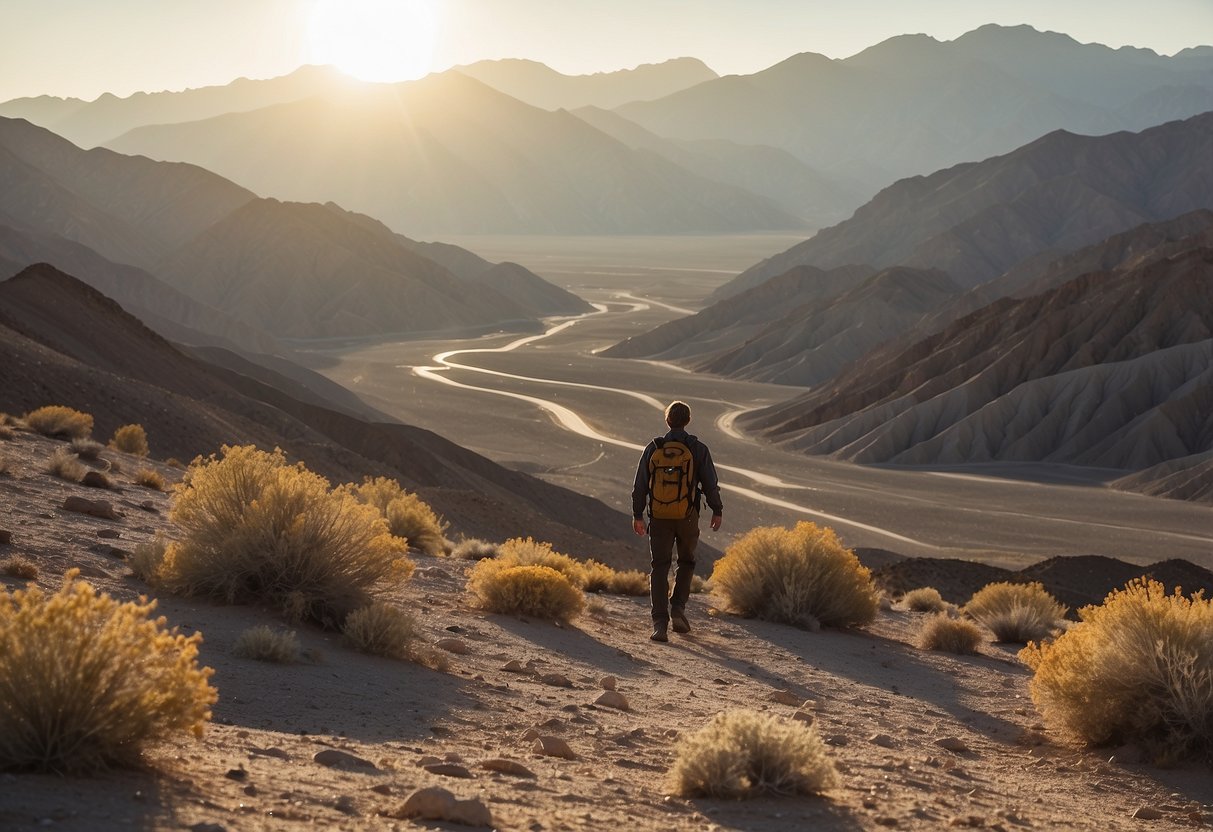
(950, 635)
(1136, 669)
(802, 576)
(60, 422)
(253, 527)
(407, 515)
(130, 439)
(1015, 613)
(87, 682)
(382, 630)
(631, 582)
(86, 448)
(924, 599)
(146, 558)
(64, 465)
(526, 551)
(149, 478)
(16, 566)
(473, 548)
(743, 753)
(538, 591)
(265, 644)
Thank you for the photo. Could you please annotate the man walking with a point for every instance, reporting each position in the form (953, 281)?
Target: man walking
(674, 477)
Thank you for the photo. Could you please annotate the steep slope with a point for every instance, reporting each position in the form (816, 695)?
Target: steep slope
(541, 86)
(63, 342)
(1061, 192)
(1112, 370)
(305, 271)
(449, 154)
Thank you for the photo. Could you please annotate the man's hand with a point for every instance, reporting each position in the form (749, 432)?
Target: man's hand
(714, 524)
(638, 526)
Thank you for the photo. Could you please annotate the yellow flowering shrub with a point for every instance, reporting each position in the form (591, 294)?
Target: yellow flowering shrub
(130, 439)
(407, 515)
(86, 681)
(538, 591)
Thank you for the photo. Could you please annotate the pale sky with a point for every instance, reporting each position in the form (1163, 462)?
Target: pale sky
(83, 48)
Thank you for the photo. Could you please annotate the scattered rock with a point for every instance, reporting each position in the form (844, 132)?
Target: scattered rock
(95, 479)
(786, 697)
(236, 774)
(438, 804)
(608, 683)
(971, 821)
(382, 788)
(613, 699)
(452, 645)
(93, 508)
(208, 827)
(428, 760)
(505, 766)
(148, 505)
(273, 751)
(513, 666)
(553, 747)
(953, 744)
(6, 537)
(883, 740)
(1147, 813)
(530, 734)
(804, 716)
(885, 820)
(109, 534)
(345, 805)
(448, 770)
(557, 680)
(332, 758)
(838, 739)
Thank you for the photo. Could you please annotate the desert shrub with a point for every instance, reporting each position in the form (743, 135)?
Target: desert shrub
(150, 478)
(407, 515)
(64, 465)
(1138, 668)
(538, 591)
(16, 566)
(473, 548)
(6, 432)
(633, 582)
(86, 448)
(802, 576)
(173, 462)
(949, 635)
(518, 551)
(60, 422)
(6, 466)
(745, 753)
(146, 558)
(596, 577)
(381, 630)
(924, 599)
(1016, 613)
(130, 439)
(86, 681)
(8, 420)
(699, 585)
(265, 644)
(254, 528)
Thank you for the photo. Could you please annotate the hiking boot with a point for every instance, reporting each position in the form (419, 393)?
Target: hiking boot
(679, 619)
(659, 632)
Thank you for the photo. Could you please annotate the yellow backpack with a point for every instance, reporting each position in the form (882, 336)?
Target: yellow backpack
(671, 480)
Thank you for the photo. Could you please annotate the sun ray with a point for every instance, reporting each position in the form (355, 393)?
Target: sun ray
(374, 40)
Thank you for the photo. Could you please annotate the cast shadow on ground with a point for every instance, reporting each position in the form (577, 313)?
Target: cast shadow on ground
(567, 640)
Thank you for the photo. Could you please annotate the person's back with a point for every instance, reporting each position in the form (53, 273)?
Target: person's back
(674, 477)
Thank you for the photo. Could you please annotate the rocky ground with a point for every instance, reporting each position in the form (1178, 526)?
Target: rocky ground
(522, 723)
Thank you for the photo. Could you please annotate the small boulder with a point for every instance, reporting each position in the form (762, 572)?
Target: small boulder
(332, 758)
(504, 766)
(883, 740)
(6, 537)
(954, 744)
(556, 680)
(93, 508)
(608, 683)
(553, 747)
(109, 534)
(786, 697)
(95, 479)
(448, 770)
(1147, 813)
(804, 716)
(452, 645)
(513, 666)
(613, 699)
(438, 804)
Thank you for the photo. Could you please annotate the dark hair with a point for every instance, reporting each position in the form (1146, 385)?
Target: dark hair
(678, 415)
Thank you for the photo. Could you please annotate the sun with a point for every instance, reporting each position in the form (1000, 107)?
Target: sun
(375, 40)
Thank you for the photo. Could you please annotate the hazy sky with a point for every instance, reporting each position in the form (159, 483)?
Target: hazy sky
(86, 47)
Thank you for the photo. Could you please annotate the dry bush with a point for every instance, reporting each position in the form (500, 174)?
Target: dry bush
(86, 448)
(60, 422)
(699, 585)
(86, 681)
(633, 582)
(473, 548)
(743, 753)
(1016, 613)
(596, 577)
(16, 566)
(803, 576)
(64, 465)
(265, 644)
(1136, 669)
(173, 462)
(407, 515)
(538, 591)
(146, 558)
(924, 599)
(254, 528)
(518, 551)
(6, 432)
(149, 478)
(130, 439)
(949, 635)
(382, 630)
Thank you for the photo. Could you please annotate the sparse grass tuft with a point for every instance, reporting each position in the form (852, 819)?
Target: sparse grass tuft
(382, 630)
(130, 439)
(150, 478)
(538, 591)
(86, 448)
(16, 566)
(924, 599)
(474, 548)
(146, 559)
(741, 754)
(255, 528)
(1136, 669)
(265, 644)
(802, 576)
(1016, 613)
(87, 682)
(60, 422)
(949, 635)
(64, 465)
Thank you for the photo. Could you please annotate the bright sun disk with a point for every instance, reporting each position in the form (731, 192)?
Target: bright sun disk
(375, 40)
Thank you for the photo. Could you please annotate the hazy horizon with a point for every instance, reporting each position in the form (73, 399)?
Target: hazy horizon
(73, 48)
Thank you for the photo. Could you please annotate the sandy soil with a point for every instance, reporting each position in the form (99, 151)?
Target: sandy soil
(882, 705)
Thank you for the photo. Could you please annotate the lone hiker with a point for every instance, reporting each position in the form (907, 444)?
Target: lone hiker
(674, 475)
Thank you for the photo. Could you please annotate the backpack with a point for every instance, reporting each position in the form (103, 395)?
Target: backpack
(671, 480)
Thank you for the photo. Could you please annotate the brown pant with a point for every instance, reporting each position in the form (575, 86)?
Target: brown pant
(663, 535)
